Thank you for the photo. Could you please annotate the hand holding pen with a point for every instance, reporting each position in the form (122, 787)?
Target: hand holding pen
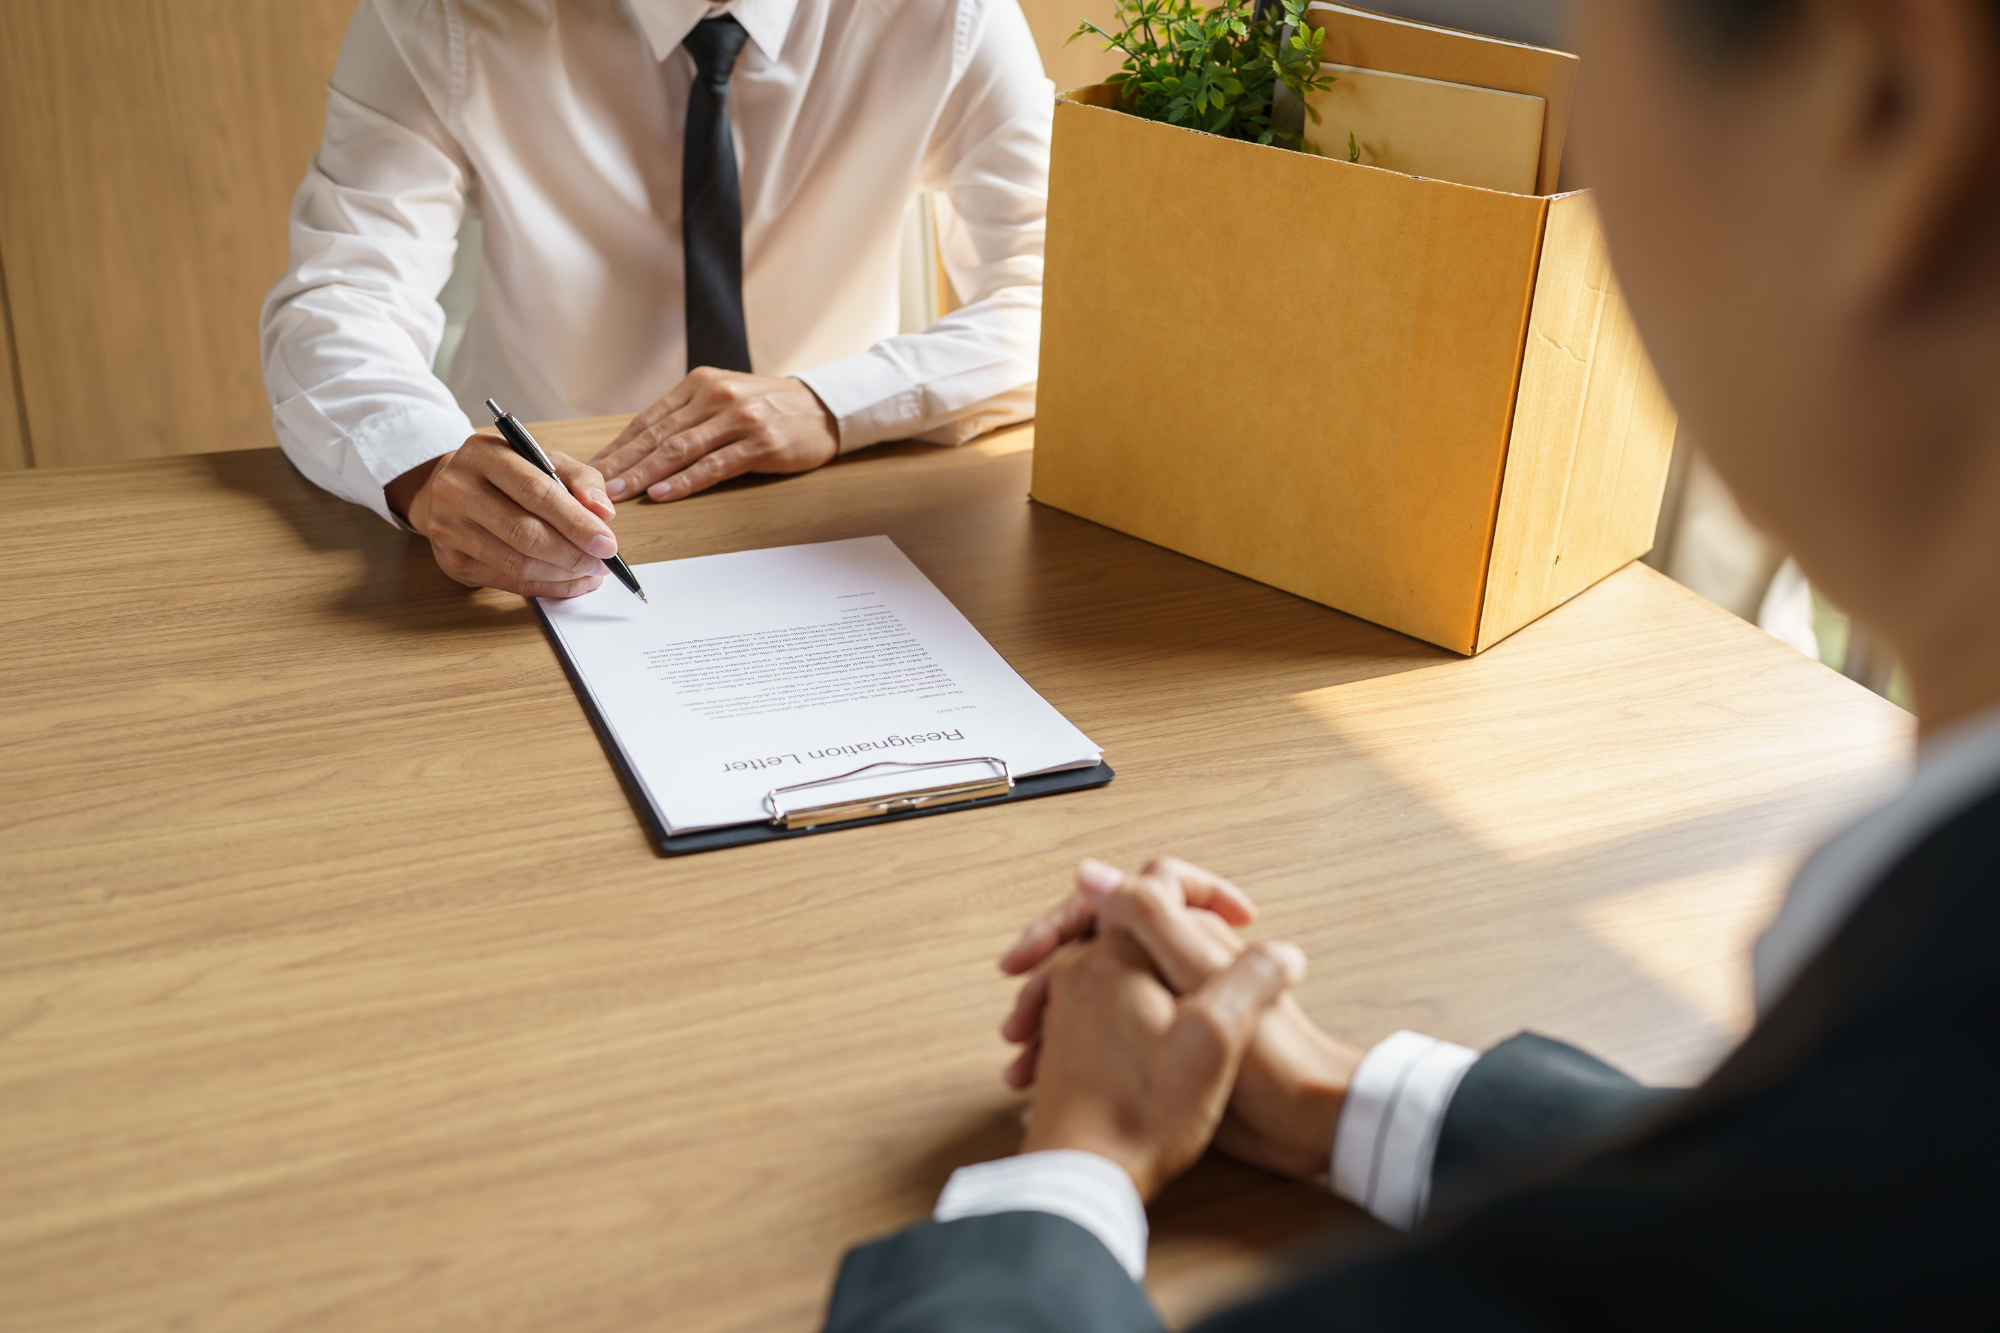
(494, 520)
(524, 445)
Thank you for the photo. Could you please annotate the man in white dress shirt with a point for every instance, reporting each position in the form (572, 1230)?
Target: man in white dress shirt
(1803, 201)
(690, 211)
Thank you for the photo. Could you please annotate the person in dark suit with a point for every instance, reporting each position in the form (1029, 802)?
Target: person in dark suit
(1802, 198)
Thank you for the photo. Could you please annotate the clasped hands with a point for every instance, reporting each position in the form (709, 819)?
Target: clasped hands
(494, 521)
(1148, 1028)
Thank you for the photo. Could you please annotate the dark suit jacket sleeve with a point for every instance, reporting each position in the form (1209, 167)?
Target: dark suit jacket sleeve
(1528, 1104)
(1007, 1273)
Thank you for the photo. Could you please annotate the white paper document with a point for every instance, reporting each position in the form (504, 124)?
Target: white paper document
(763, 669)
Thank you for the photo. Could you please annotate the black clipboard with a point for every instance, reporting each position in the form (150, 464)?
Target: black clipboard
(740, 835)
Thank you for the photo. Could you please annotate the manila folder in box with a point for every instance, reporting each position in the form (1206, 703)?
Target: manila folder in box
(756, 684)
(1427, 127)
(1367, 40)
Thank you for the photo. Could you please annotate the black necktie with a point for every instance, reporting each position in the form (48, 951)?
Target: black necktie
(712, 203)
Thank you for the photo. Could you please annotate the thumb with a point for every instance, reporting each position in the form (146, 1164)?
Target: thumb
(585, 482)
(1231, 1003)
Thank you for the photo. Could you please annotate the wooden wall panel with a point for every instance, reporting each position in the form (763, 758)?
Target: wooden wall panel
(149, 150)
(1081, 62)
(14, 450)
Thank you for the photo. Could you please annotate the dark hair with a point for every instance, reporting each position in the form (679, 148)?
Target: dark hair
(1728, 28)
(1722, 31)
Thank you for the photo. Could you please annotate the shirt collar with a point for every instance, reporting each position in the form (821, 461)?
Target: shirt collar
(666, 22)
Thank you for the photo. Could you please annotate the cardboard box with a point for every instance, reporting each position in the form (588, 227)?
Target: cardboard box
(1418, 402)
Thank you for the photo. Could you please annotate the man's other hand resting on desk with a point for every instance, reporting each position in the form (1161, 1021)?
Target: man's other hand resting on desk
(715, 425)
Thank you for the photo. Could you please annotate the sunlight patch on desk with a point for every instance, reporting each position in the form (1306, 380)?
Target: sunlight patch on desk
(1567, 765)
(1524, 783)
(1006, 440)
(1693, 935)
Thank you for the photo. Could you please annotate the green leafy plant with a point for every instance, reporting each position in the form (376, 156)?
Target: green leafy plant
(1215, 68)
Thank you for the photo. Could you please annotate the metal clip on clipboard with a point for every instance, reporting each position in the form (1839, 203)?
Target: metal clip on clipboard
(920, 798)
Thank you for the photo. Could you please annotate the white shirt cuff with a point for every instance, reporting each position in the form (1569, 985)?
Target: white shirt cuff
(1388, 1132)
(869, 395)
(1093, 1192)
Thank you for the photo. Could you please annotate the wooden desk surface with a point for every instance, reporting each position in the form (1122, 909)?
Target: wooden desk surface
(339, 988)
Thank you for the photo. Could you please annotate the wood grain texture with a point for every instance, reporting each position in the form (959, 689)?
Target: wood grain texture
(1592, 438)
(339, 988)
(149, 150)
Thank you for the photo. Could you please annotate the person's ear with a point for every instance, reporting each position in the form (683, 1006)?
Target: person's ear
(1908, 92)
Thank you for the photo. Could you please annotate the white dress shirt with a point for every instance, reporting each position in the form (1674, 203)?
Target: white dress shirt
(1387, 1136)
(562, 121)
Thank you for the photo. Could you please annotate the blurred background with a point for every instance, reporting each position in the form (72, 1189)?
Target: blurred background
(148, 154)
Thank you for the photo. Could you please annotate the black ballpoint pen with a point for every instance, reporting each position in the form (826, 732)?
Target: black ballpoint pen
(522, 443)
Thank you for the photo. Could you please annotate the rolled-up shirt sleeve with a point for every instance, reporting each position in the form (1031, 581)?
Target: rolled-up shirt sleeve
(973, 370)
(349, 333)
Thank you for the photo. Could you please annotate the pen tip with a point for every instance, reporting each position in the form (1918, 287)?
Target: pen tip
(642, 597)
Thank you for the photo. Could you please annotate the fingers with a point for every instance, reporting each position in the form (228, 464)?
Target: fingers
(1219, 1020)
(1155, 933)
(494, 520)
(1024, 1021)
(715, 467)
(674, 444)
(472, 520)
(1021, 1073)
(668, 404)
(476, 575)
(1070, 919)
(1187, 947)
(471, 553)
(586, 483)
(550, 514)
(670, 434)
(1205, 889)
(1074, 917)
(719, 424)
(1026, 1018)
